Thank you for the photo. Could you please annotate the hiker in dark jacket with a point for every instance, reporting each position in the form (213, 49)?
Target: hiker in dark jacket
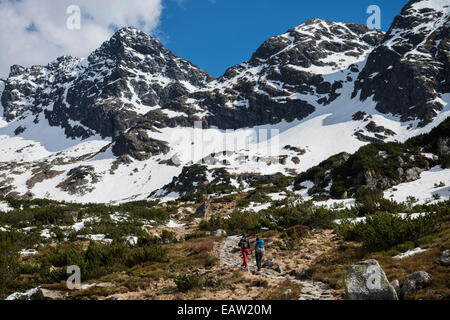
(244, 244)
(259, 252)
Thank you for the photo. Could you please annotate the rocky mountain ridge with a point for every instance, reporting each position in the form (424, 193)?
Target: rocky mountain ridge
(406, 74)
(108, 92)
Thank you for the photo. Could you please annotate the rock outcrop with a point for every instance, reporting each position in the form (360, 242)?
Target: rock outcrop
(284, 75)
(203, 211)
(413, 283)
(45, 294)
(219, 233)
(409, 71)
(367, 281)
(445, 258)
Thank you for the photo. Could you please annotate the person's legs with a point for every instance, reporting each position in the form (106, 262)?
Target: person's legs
(257, 260)
(260, 259)
(258, 256)
(244, 253)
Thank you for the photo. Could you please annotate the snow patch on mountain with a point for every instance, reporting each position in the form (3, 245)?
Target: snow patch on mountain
(433, 186)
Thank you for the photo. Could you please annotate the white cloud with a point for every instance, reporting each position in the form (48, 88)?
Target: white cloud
(35, 32)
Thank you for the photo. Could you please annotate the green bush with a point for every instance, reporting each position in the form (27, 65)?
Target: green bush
(9, 262)
(168, 236)
(146, 254)
(187, 282)
(64, 255)
(195, 235)
(383, 231)
(147, 240)
(99, 259)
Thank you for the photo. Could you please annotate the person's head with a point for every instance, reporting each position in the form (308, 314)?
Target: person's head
(257, 239)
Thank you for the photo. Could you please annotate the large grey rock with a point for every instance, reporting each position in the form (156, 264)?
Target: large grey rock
(268, 264)
(413, 174)
(219, 233)
(203, 211)
(413, 283)
(366, 280)
(445, 258)
(45, 294)
(396, 285)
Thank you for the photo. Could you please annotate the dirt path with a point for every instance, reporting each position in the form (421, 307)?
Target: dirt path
(312, 290)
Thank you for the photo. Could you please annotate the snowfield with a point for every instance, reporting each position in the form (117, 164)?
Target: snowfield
(427, 189)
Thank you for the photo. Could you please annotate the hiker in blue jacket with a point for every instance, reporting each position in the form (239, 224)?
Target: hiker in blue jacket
(259, 252)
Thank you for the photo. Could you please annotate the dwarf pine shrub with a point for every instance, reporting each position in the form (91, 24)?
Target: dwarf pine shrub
(383, 230)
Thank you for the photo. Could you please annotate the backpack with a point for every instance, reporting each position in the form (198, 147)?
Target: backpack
(244, 244)
(259, 247)
(259, 244)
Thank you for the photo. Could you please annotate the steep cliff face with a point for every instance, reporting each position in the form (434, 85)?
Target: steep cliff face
(407, 74)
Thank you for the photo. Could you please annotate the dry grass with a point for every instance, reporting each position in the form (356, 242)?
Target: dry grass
(286, 290)
(332, 267)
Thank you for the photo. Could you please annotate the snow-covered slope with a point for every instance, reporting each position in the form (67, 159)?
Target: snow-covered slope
(433, 186)
(119, 125)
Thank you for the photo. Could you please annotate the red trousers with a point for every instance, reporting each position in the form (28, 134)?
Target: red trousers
(245, 252)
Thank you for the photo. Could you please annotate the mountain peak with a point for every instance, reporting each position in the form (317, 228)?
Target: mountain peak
(317, 39)
(315, 21)
(407, 72)
(127, 33)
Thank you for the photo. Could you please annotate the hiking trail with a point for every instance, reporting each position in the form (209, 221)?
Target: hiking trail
(312, 290)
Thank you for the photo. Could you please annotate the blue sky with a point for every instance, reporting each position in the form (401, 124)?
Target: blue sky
(218, 34)
(213, 34)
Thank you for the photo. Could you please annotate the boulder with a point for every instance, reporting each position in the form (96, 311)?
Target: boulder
(445, 258)
(396, 285)
(366, 280)
(203, 211)
(279, 269)
(45, 294)
(413, 283)
(413, 174)
(268, 264)
(219, 233)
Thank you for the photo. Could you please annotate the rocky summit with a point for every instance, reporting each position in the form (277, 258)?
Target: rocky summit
(106, 93)
(409, 71)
